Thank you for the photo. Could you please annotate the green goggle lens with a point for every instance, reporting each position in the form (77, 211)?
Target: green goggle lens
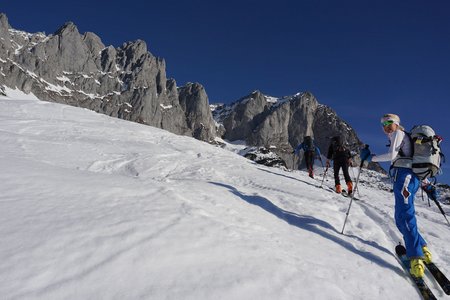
(386, 123)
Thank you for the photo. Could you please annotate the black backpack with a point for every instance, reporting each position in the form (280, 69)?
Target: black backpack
(308, 144)
(339, 149)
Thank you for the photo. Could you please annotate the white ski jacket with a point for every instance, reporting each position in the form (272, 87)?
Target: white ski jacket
(399, 141)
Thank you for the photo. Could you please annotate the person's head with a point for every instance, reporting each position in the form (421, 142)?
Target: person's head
(390, 123)
(336, 140)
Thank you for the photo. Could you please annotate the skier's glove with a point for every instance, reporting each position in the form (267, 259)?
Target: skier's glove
(431, 191)
(365, 155)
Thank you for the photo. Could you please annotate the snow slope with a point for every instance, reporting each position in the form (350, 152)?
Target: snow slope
(93, 207)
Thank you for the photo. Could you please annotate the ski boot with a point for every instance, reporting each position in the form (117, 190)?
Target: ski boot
(427, 255)
(417, 267)
(349, 187)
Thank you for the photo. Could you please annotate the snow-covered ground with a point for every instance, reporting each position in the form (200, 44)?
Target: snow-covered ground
(93, 207)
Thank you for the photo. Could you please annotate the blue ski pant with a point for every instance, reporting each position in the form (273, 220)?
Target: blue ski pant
(406, 185)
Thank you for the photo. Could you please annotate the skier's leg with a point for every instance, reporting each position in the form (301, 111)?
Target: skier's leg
(405, 187)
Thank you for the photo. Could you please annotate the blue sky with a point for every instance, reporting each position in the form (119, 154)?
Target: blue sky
(362, 58)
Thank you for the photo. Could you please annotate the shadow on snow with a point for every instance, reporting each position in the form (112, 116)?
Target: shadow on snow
(316, 226)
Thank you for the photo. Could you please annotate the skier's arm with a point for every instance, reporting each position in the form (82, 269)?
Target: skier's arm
(396, 141)
(318, 151)
(297, 149)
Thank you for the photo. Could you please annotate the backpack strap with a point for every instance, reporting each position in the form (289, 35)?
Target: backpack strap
(411, 140)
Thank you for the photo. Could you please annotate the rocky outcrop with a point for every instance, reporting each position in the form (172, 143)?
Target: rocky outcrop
(127, 82)
(279, 124)
(267, 121)
(244, 116)
(265, 157)
(195, 104)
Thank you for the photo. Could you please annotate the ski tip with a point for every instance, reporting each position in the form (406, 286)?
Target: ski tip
(447, 290)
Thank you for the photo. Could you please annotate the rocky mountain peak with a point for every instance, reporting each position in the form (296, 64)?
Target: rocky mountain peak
(126, 82)
(4, 23)
(93, 42)
(67, 29)
(136, 48)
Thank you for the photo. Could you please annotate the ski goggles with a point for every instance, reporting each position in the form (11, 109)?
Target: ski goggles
(387, 123)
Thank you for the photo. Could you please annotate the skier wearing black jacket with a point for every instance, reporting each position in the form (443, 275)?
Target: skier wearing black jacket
(341, 159)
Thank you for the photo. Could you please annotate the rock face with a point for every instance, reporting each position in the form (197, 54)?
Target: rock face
(195, 104)
(266, 121)
(279, 124)
(127, 82)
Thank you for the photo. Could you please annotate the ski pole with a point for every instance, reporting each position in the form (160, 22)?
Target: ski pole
(324, 175)
(321, 162)
(353, 196)
(355, 190)
(320, 157)
(440, 208)
(442, 211)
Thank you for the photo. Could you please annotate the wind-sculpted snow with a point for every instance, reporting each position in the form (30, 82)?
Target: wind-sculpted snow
(93, 207)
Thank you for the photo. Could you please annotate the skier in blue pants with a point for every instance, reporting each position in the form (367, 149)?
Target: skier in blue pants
(406, 184)
(405, 187)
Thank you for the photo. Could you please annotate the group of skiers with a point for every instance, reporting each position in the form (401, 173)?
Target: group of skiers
(337, 152)
(405, 182)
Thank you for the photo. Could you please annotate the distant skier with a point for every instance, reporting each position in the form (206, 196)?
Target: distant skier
(341, 159)
(406, 184)
(310, 151)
